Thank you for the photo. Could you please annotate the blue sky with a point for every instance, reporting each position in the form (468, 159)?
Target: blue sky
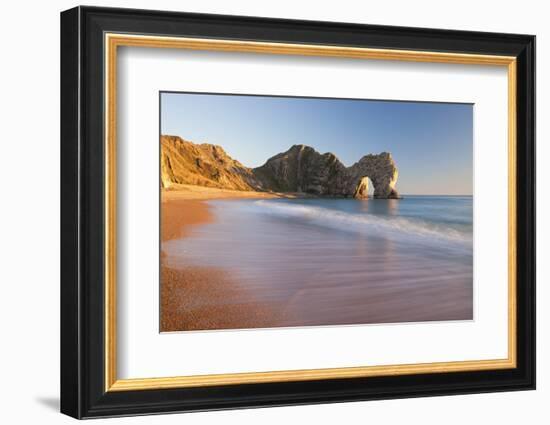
(432, 143)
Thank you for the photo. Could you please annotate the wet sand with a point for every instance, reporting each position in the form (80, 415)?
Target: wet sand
(179, 215)
(198, 298)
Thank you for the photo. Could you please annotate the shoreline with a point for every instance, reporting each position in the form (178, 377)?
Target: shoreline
(193, 297)
(188, 191)
(184, 206)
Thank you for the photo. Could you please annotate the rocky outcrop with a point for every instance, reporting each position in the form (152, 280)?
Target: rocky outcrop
(303, 169)
(300, 169)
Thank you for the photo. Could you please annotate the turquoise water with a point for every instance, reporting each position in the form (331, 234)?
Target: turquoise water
(341, 261)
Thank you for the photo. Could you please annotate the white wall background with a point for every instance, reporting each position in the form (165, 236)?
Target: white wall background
(29, 224)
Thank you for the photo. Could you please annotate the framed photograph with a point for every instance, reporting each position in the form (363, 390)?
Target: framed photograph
(261, 212)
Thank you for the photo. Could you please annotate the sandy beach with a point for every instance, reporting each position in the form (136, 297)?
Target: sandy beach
(191, 192)
(237, 259)
(194, 298)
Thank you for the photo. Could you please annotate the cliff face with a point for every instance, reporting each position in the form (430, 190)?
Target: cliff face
(300, 169)
(183, 162)
(303, 169)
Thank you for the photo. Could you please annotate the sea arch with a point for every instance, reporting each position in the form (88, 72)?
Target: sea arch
(380, 170)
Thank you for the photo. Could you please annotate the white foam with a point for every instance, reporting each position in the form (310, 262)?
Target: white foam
(377, 225)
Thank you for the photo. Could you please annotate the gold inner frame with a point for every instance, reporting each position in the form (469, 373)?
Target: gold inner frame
(113, 41)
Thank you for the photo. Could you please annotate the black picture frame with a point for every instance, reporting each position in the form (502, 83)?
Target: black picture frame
(83, 392)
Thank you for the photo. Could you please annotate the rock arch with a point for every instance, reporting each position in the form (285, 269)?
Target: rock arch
(381, 171)
(303, 169)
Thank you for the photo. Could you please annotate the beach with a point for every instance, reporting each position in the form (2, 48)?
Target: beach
(194, 297)
(256, 260)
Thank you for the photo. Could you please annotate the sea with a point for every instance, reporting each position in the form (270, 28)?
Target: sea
(342, 261)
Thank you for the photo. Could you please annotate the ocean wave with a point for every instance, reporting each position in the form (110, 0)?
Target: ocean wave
(377, 225)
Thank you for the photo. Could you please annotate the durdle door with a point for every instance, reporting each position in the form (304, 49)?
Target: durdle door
(301, 169)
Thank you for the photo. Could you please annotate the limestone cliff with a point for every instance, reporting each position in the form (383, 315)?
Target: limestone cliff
(300, 169)
(303, 169)
(184, 162)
